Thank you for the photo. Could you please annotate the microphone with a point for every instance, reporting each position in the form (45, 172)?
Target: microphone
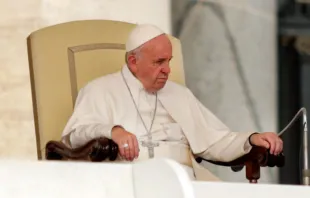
(305, 171)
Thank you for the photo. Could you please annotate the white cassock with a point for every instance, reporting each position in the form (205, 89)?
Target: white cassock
(183, 127)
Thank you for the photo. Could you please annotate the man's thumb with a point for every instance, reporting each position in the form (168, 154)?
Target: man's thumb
(266, 144)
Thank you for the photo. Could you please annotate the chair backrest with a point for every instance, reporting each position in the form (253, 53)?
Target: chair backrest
(64, 57)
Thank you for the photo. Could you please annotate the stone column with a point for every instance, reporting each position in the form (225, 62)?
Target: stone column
(229, 52)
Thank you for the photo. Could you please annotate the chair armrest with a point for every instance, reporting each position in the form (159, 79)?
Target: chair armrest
(259, 154)
(256, 158)
(96, 150)
(103, 148)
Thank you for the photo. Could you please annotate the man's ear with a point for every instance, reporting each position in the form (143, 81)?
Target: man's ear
(132, 60)
(132, 63)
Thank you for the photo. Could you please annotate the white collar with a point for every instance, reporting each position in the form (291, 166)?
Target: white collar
(131, 80)
(134, 84)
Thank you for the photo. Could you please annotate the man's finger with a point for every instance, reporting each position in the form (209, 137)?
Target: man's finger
(136, 146)
(264, 143)
(279, 147)
(132, 149)
(127, 154)
(127, 151)
(121, 150)
(272, 144)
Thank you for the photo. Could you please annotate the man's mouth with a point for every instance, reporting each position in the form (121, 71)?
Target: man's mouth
(162, 79)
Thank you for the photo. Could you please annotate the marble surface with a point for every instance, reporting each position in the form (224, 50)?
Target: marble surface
(20, 18)
(103, 180)
(16, 118)
(230, 63)
(134, 11)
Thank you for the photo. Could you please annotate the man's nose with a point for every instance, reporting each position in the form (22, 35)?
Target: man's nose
(166, 70)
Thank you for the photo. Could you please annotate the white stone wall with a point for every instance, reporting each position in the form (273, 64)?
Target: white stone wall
(17, 20)
(229, 50)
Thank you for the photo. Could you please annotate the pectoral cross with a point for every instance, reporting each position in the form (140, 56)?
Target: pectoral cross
(150, 146)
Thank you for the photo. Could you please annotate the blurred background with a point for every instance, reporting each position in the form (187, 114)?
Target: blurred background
(246, 60)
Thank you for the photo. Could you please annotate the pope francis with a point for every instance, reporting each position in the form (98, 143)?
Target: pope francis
(148, 116)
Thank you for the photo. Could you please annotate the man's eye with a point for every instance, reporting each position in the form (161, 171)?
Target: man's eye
(160, 61)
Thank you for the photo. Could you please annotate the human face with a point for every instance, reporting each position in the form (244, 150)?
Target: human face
(152, 65)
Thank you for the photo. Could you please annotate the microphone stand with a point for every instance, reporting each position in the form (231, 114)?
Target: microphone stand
(305, 171)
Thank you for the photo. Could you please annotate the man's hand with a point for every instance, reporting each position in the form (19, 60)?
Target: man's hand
(268, 140)
(127, 143)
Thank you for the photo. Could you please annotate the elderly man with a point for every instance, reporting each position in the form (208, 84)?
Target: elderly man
(148, 116)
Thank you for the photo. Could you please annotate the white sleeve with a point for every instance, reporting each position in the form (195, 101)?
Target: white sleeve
(90, 119)
(229, 146)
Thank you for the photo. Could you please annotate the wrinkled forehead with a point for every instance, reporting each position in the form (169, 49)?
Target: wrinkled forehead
(159, 45)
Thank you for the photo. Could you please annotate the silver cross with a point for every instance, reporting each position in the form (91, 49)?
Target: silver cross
(150, 147)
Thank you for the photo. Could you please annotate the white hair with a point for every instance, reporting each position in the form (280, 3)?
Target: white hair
(135, 52)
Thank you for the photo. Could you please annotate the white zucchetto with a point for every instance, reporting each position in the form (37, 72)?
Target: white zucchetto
(142, 34)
